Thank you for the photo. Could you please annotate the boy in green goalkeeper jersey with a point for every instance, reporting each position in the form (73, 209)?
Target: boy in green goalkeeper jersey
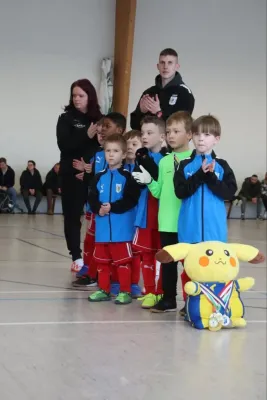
(178, 131)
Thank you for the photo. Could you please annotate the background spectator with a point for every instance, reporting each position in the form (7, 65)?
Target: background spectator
(264, 195)
(7, 180)
(52, 187)
(250, 191)
(31, 185)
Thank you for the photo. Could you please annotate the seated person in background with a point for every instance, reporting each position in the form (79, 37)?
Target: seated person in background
(7, 180)
(52, 187)
(31, 185)
(250, 191)
(264, 195)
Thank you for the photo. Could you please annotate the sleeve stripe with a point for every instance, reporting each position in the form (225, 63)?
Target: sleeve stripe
(186, 87)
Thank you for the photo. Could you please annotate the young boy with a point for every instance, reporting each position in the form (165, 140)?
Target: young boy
(146, 239)
(178, 132)
(203, 181)
(134, 142)
(113, 196)
(113, 123)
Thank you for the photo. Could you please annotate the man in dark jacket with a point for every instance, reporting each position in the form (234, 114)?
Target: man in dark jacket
(250, 191)
(7, 180)
(169, 94)
(52, 187)
(31, 185)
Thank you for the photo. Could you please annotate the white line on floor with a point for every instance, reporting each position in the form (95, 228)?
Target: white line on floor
(83, 291)
(101, 322)
(44, 291)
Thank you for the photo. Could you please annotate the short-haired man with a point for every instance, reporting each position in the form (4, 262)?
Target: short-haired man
(169, 94)
(7, 180)
(250, 191)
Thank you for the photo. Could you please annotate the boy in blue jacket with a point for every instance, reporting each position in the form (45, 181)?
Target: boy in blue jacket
(146, 239)
(113, 196)
(203, 182)
(112, 123)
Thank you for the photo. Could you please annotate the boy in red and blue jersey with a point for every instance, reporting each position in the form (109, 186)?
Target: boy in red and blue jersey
(112, 123)
(113, 196)
(146, 239)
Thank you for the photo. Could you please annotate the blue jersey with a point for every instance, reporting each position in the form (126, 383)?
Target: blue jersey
(118, 188)
(141, 212)
(203, 214)
(99, 164)
(129, 167)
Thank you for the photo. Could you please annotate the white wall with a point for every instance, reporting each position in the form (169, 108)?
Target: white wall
(222, 52)
(44, 47)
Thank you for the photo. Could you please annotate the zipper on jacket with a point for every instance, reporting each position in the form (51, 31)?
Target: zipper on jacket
(110, 192)
(202, 208)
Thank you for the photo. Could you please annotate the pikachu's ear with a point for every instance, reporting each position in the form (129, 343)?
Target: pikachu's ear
(178, 251)
(244, 252)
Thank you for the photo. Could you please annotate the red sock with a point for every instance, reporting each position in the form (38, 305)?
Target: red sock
(136, 268)
(159, 282)
(114, 273)
(184, 280)
(124, 274)
(149, 272)
(92, 272)
(88, 248)
(104, 277)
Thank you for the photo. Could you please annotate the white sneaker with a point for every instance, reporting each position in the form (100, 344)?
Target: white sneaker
(77, 265)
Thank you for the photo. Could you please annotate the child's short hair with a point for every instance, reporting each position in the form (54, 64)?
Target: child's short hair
(118, 119)
(152, 119)
(116, 138)
(168, 52)
(132, 134)
(181, 116)
(206, 124)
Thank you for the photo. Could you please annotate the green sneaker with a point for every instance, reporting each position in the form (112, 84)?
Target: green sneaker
(123, 298)
(149, 300)
(100, 295)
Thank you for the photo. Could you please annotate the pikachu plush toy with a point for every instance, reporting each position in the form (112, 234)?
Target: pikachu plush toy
(213, 295)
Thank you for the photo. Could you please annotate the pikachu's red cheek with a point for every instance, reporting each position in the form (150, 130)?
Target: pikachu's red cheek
(232, 261)
(204, 261)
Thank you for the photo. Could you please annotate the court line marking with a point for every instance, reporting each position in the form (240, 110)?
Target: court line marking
(43, 248)
(36, 284)
(36, 323)
(67, 290)
(44, 291)
(50, 233)
(31, 261)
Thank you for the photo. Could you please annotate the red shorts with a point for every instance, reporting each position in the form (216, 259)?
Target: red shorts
(90, 229)
(146, 239)
(116, 253)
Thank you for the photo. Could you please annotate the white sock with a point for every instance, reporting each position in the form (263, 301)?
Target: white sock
(79, 262)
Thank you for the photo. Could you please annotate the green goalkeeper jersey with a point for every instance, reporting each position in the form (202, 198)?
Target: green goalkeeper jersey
(163, 189)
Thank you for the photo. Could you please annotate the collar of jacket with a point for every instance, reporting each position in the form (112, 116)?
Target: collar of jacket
(176, 81)
(194, 154)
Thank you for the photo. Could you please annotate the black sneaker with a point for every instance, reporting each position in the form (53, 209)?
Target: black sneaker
(243, 217)
(164, 305)
(84, 282)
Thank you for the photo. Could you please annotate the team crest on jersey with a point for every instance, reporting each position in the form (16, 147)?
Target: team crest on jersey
(102, 188)
(98, 159)
(173, 99)
(118, 187)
